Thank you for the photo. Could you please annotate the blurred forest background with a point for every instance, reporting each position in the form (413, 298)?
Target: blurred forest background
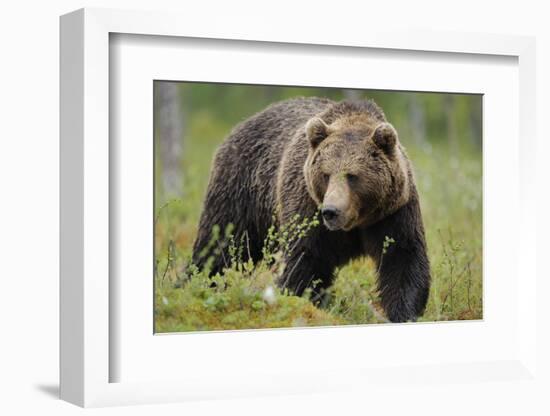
(443, 137)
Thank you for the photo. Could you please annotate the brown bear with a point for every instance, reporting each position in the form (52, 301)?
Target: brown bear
(343, 160)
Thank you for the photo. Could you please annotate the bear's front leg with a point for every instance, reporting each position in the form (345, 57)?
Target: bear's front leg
(403, 282)
(403, 265)
(306, 270)
(308, 266)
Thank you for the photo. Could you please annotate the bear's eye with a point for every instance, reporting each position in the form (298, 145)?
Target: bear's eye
(375, 154)
(326, 177)
(352, 178)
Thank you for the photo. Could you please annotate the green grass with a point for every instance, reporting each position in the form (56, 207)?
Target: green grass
(450, 187)
(243, 299)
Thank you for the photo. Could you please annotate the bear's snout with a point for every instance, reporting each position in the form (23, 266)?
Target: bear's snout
(330, 213)
(336, 205)
(332, 217)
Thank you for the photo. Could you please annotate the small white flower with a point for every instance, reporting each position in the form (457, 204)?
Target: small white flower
(269, 295)
(164, 300)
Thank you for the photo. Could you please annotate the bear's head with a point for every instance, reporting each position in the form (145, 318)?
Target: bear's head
(356, 170)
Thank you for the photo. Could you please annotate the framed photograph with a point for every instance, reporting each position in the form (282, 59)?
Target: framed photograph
(281, 212)
(322, 221)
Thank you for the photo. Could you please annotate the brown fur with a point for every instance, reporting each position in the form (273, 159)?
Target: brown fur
(301, 155)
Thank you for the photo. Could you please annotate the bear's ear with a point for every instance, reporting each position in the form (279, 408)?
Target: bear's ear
(316, 131)
(385, 137)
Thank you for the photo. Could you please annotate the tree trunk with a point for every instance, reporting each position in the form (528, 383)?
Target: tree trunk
(170, 134)
(449, 106)
(417, 120)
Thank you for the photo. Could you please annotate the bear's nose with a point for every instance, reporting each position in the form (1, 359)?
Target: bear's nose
(329, 213)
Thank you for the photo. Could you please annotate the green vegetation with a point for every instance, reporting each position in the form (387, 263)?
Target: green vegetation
(246, 296)
(442, 135)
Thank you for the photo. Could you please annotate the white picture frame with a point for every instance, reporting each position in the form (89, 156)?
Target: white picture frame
(87, 303)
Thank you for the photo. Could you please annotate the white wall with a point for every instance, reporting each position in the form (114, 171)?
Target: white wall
(29, 185)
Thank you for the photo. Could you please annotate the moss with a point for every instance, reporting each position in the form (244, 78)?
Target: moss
(176, 311)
